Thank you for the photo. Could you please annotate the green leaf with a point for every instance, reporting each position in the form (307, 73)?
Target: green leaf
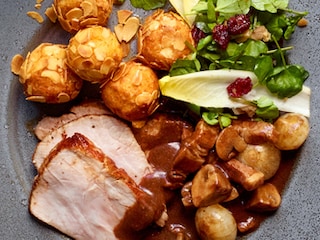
(184, 66)
(286, 81)
(263, 67)
(266, 109)
(148, 4)
(224, 121)
(233, 7)
(210, 118)
(269, 5)
(255, 48)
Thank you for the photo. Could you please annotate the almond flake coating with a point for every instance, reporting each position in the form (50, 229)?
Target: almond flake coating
(94, 53)
(74, 15)
(170, 32)
(46, 76)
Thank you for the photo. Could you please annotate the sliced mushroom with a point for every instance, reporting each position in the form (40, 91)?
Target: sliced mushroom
(265, 158)
(265, 198)
(210, 186)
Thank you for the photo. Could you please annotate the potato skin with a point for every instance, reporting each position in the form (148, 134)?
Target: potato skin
(133, 92)
(161, 39)
(94, 53)
(46, 77)
(74, 15)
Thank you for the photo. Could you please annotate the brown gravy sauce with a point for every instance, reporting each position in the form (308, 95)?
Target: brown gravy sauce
(181, 219)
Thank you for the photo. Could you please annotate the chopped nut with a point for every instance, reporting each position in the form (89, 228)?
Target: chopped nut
(210, 186)
(243, 174)
(265, 198)
(303, 22)
(261, 33)
(36, 16)
(16, 63)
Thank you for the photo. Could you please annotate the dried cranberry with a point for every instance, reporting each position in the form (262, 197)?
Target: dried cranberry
(239, 87)
(197, 34)
(221, 36)
(238, 24)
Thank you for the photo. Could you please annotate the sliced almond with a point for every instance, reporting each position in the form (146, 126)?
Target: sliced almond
(36, 16)
(87, 8)
(125, 48)
(41, 99)
(85, 51)
(130, 28)
(118, 30)
(123, 15)
(16, 63)
(74, 13)
(37, 6)
(63, 97)
(51, 14)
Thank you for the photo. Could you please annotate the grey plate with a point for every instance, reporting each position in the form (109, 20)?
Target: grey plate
(299, 214)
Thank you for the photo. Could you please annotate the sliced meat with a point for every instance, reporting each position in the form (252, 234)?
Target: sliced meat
(82, 193)
(109, 134)
(48, 124)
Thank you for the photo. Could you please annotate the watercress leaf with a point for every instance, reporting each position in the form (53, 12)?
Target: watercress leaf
(210, 56)
(184, 66)
(148, 4)
(255, 48)
(263, 67)
(269, 112)
(269, 5)
(245, 63)
(286, 81)
(210, 118)
(277, 25)
(233, 7)
(200, 7)
(224, 121)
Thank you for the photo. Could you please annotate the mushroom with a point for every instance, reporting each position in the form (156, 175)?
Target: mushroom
(264, 199)
(210, 186)
(265, 158)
